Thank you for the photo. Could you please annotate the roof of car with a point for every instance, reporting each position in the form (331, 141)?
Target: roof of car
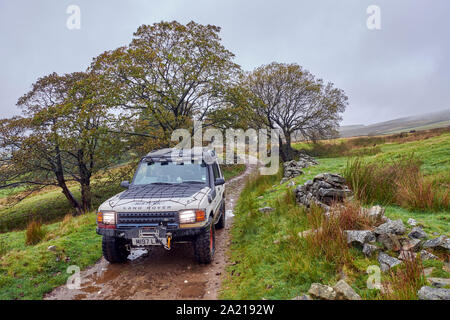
(194, 153)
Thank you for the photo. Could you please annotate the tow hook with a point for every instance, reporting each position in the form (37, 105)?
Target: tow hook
(168, 241)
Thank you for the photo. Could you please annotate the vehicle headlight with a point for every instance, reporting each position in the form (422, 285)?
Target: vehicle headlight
(191, 216)
(106, 217)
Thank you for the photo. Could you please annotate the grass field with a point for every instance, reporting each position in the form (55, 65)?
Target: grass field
(270, 260)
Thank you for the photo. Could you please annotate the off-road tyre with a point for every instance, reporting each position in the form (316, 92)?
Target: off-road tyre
(114, 249)
(222, 220)
(205, 245)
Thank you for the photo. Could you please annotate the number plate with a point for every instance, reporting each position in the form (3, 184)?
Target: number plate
(145, 242)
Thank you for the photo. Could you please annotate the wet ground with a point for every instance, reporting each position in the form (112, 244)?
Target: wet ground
(160, 274)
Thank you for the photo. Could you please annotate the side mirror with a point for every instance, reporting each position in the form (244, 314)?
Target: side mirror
(125, 184)
(219, 181)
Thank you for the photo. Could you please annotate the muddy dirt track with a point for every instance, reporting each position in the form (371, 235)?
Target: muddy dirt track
(160, 274)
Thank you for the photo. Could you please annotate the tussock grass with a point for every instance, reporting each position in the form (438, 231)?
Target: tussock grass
(35, 233)
(417, 192)
(327, 239)
(398, 182)
(405, 281)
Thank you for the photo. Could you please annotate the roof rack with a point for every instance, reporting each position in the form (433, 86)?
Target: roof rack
(192, 154)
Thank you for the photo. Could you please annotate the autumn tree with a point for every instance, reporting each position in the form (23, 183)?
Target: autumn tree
(62, 136)
(289, 98)
(171, 73)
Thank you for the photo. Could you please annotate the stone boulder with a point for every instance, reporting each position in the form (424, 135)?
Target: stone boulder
(345, 292)
(430, 293)
(410, 244)
(417, 233)
(425, 255)
(266, 209)
(389, 241)
(323, 292)
(369, 249)
(391, 226)
(439, 282)
(387, 262)
(359, 237)
(441, 242)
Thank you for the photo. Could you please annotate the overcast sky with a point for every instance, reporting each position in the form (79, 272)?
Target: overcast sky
(400, 70)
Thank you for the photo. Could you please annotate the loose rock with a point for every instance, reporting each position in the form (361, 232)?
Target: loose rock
(320, 291)
(266, 209)
(417, 233)
(392, 226)
(389, 241)
(412, 222)
(51, 248)
(439, 282)
(430, 293)
(411, 244)
(386, 261)
(359, 237)
(441, 242)
(345, 292)
(425, 255)
(369, 249)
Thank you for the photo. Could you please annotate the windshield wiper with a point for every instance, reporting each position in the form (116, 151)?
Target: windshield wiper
(161, 183)
(193, 181)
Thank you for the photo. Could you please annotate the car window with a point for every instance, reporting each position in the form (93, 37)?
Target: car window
(169, 172)
(216, 171)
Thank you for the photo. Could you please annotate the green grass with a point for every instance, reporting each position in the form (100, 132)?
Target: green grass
(230, 171)
(28, 272)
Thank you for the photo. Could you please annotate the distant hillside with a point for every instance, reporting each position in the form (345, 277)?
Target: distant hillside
(421, 122)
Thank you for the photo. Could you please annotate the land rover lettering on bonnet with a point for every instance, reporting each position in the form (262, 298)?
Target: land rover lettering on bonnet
(175, 196)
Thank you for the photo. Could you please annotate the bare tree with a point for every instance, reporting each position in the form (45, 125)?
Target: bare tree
(291, 99)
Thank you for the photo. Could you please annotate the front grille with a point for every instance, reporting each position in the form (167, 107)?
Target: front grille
(142, 219)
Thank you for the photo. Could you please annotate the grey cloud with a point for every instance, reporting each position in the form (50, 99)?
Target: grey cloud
(400, 70)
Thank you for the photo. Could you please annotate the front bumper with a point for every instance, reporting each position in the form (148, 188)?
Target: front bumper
(178, 234)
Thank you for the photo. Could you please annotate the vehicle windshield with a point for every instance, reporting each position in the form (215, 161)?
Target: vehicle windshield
(169, 173)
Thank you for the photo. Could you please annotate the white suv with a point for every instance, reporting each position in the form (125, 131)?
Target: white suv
(174, 196)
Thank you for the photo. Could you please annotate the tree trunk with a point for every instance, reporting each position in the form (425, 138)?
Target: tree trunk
(86, 197)
(286, 151)
(71, 198)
